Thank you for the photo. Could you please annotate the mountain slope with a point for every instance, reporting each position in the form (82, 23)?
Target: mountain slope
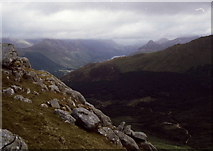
(165, 92)
(47, 114)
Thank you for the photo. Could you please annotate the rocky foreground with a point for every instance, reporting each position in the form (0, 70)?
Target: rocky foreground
(26, 86)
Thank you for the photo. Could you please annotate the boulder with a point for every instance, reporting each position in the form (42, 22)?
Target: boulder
(68, 108)
(127, 130)
(85, 118)
(77, 96)
(16, 88)
(9, 54)
(65, 116)
(23, 99)
(44, 105)
(54, 88)
(35, 93)
(8, 91)
(18, 74)
(105, 120)
(139, 136)
(10, 141)
(109, 133)
(54, 103)
(121, 126)
(28, 91)
(25, 62)
(126, 141)
(32, 76)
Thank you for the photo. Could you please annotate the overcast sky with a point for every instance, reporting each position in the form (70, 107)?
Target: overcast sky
(125, 21)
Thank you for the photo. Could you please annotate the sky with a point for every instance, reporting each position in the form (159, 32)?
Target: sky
(125, 22)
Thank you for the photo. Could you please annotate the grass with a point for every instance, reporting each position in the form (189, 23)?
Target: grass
(165, 144)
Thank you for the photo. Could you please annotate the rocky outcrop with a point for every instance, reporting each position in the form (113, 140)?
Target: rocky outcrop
(110, 134)
(10, 141)
(85, 118)
(65, 116)
(10, 58)
(139, 137)
(54, 103)
(127, 141)
(8, 91)
(23, 99)
(105, 120)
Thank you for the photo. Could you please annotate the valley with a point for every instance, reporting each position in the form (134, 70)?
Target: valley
(159, 92)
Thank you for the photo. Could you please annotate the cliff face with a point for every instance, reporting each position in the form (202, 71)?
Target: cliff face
(47, 114)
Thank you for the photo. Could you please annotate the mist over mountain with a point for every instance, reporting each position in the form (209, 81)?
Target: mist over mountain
(66, 54)
(170, 87)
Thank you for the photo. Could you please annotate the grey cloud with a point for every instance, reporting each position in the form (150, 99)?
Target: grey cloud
(106, 20)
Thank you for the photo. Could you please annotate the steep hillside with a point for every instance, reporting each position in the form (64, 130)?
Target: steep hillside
(41, 112)
(165, 92)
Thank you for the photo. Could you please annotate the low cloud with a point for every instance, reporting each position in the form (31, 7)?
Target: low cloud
(105, 20)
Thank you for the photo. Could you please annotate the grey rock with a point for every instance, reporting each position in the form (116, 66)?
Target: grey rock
(32, 76)
(121, 126)
(44, 105)
(77, 96)
(10, 141)
(54, 103)
(35, 93)
(85, 118)
(54, 88)
(127, 130)
(90, 105)
(139, 136)
(71, 102)
(41, 84)
(25, 62)
(23, 99)
(126, 141)
(18, 74)
(8, 91)
(66, 116)
(68, 108)
(9, 54)
(16, 88)
(28, 91)
(109, 133)
(105, 120)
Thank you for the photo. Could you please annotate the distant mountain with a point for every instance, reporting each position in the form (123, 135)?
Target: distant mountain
(41, 62)
(73, 54)
(171, 87)
(163, 43)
